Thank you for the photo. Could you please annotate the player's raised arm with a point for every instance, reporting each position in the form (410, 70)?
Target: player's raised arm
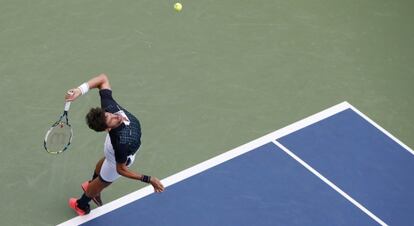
(101, 82)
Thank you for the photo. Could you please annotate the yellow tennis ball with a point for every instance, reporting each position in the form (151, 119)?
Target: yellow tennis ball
(178, 7)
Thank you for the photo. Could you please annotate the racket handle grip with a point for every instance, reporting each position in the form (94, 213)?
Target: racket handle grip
(67, 106)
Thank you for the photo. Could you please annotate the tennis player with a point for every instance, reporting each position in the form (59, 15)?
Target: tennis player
(122, 142)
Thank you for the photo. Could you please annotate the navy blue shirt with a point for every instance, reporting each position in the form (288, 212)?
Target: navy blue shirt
(126, 138)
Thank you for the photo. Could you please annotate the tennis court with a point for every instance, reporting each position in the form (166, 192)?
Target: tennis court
(335, 167)
(204, 81)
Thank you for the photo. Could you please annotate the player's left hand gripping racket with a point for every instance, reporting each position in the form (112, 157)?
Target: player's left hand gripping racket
(59, 136)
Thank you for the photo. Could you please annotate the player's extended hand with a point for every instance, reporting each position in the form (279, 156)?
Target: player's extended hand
(158, 187)
(72, 94)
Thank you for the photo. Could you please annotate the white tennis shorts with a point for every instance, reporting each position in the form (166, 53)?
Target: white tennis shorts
(108, 170)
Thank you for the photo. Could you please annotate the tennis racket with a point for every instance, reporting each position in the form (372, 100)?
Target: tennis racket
(59, 136)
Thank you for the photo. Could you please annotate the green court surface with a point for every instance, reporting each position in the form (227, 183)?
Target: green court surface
(203, 81)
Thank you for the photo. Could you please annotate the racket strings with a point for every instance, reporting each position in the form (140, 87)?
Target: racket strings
(58, 138)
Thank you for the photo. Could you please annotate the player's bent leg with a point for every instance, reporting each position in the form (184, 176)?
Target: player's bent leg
(95, 187)
(97, 199)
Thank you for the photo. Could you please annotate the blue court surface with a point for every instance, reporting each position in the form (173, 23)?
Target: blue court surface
(336, 167)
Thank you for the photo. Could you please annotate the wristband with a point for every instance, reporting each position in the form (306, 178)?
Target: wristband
(84, 88)
(146, 178)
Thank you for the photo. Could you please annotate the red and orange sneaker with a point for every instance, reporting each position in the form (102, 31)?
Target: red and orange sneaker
(97, 199)
(74, 205)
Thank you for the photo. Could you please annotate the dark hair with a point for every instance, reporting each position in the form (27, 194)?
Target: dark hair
(96, 119)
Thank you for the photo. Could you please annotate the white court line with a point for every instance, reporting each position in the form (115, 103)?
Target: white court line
(213, 162)
(381, 129)
(332, 185)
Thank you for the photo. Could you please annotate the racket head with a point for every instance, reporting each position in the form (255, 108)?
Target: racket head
(58, 137)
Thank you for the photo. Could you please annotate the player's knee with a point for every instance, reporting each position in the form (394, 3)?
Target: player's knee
(90, 192)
